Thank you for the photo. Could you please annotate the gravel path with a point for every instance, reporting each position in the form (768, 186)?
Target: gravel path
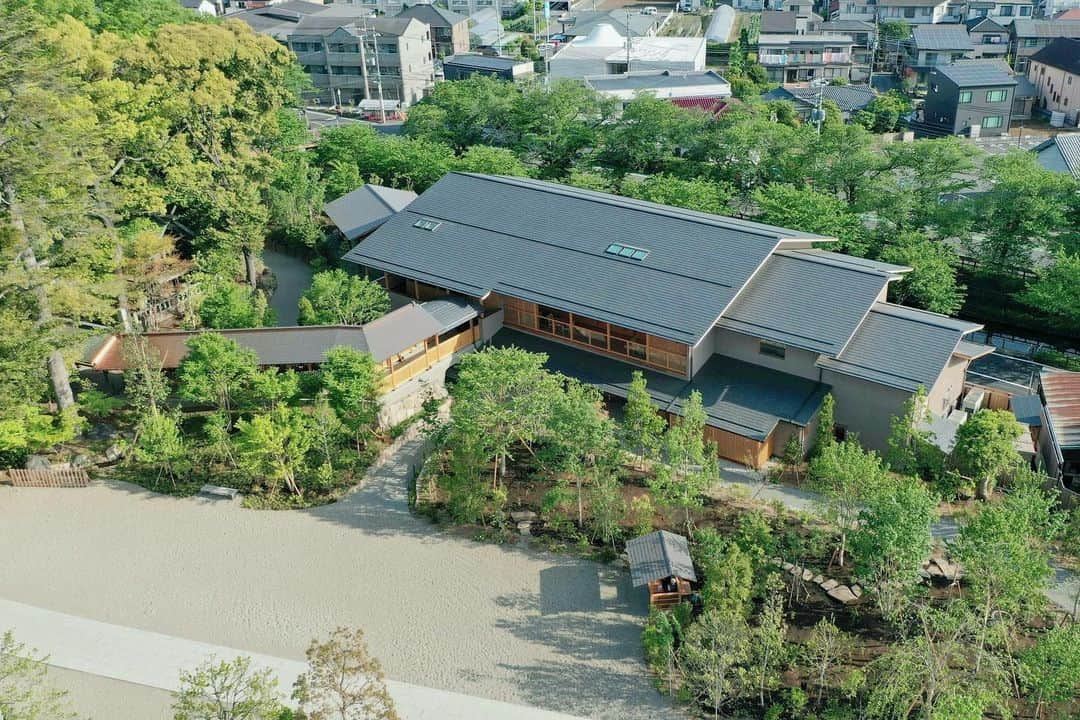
(438, 610)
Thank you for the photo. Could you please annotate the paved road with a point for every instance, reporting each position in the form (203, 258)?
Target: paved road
(1063, 587)
(440, 611)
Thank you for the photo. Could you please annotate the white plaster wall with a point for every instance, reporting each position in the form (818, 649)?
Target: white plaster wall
(865, 408)
(743, 347)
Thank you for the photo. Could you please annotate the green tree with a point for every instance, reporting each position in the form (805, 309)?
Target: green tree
(713, 659)
(911, 447)
(476, 111)
(230, 305)
(728, 582)
(272, 448)
(1051, 669)
(491, 161)
(607, 508)
(695, 194)
(658, 640)
(351, 380)
(692, 465)
(1056, 293)
(825, 648)
(985, 448)
(883, 113)
(295, 199)
(24, 694)
(824, 434)
(215, 370)
(343, 681)
(227, 690)
(647, 136)
(337, 298)
(769, 643)
(845, 475)
(932, 283)
(642, 426)
(160, 445)
(810, 211)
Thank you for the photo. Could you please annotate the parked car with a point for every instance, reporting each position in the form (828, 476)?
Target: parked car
(649, 10)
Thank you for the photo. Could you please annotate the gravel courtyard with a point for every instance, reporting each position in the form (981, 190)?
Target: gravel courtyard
(438, 610)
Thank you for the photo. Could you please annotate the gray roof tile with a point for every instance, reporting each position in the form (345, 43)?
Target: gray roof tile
(1067, 148)
(941, 37)
(366, 208)
(901, 347)
(545, 243)
(976, 73)
(659, 555)
(1024, 28)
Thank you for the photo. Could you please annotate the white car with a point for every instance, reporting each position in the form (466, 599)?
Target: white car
(649, 10)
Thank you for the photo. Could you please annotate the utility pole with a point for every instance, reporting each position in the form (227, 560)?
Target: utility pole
(629, 39)
(378, 69)
(363, 63)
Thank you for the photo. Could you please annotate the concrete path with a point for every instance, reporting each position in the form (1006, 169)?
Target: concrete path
(1061, 591)
(155, 660)
(440, 611)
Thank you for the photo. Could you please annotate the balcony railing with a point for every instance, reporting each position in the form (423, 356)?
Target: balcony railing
(771, 59)
(825, 58)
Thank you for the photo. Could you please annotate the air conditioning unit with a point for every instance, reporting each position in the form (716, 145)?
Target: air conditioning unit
(973, 400)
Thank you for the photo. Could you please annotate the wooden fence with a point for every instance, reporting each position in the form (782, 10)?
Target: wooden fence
(74, 478)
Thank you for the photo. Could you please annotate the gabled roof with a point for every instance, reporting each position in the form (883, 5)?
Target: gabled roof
(848, 98)
(852, 26)
(484, 62)
(1025, 28)
(975, 73)
(1061, 153)
(984, 24)
(547, 243)
(941, 37)
(810, 299)
(659, 555)
(1061, 392)
(1062, 53)
(900, 347)
(433, 15)
(366, 208)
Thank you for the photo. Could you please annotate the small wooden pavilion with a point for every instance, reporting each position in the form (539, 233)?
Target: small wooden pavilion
(662, 561)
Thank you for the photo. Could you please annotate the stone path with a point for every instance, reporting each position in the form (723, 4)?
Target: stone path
(440, 611)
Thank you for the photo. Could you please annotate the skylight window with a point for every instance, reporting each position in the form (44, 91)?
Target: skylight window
(427, 224)
(626, 251)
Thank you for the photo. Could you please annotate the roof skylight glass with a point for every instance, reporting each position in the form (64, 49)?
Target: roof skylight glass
(626, 251)
(427, 224)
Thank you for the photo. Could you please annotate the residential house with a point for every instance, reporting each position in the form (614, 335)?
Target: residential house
(1003, 12)
(349, 59)
(801, 58)
(849, 98)
(990, 40)
(864, 43)
(1054, 8)
(915, 12)
(683, 88)
(864, 10)
(1061, 153)
(280, 19)
(934, 45)
(788, 22)
(460, 67)
(1027, 37)
(449, 31)
(633, 23)
(1055, 71)
(762, 321)
(973, 97)
(604, 52)
(362, 211)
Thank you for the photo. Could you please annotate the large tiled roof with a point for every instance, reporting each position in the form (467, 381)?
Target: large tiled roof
(738, 397)
(547, 243)
(1024, 28)
(366, 208)
(847, 97)
(900, 347)
(809, 299)
(941, 37)
(1061, 392)
(1062, 53)
(976, 73)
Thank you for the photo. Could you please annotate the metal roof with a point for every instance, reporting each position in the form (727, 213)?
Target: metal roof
(433, 15)
(739, 397)
(484, 62)
(545, 243)
(900, 347)
(1027, 409)
(399, 330)
(973, 350)
(847, 97)
(941, 37)
(778, 21)
(651, 79)
(659, 555)
(984, 24)
(1012, 375)
(847, 25)
(451, 311)
(1061, 153)
(366, 208)
(975, 73)
(1061, 393)
(1062, 53)
(809, 299)
(1024, 28)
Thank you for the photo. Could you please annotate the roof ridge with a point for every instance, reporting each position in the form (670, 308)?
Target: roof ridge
(923, 316)
(810, 255)
(724, 221)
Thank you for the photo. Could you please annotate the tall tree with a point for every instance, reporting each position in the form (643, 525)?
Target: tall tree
(692, 461)
(215, 370)
(343, 681)
(1056, 293)
(642, 426)
(227, 690)
(24, 692)
(845, 475)
(272, 448)
(712, 659)
(694, 194)
(932, 283)
(985, 448)
(337, 298)
(351, 380)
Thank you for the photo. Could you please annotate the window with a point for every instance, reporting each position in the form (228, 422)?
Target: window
(771, 349)
(1025, 11)
(965, 96)
(993, 121)
(626, 251)
(1007, 10)
(427, 224)
(1031, 42)
(996, 95)
(909, 12)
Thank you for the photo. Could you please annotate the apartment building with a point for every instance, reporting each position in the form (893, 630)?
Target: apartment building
(916, 12)
(347, 60)
(1027, 37)
(999, 11)
(449, 31)
(864, 42)
(801, 58)
(1055, 72)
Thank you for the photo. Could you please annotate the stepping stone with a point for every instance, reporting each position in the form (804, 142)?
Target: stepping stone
(818, 579)
(843, 594)
(795, 570)
(856, 591)
(828, 585)
(217, 491)
(787, 566)
(807, 575)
